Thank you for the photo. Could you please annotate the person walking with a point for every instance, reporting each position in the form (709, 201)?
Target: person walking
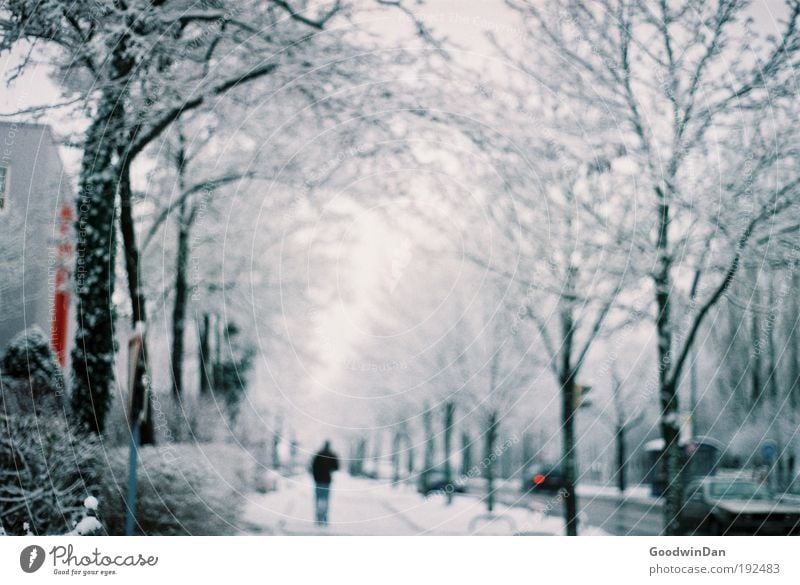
(324, 464)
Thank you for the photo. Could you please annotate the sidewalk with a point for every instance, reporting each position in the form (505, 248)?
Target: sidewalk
(635, 495)
(368, 507)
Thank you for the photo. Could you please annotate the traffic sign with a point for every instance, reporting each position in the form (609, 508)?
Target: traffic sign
(769, 450)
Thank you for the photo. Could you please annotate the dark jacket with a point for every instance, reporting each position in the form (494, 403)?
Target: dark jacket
(325, 463)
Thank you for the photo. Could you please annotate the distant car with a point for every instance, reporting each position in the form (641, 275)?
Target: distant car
(719, 506)
(543, 478)
(435, 480)
(791, 495)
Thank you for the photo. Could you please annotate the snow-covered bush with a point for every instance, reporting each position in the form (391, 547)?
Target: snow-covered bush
(267, 480)
(197, 419)
(46, 472)
(31, 378)
(182, 490)
(89, 525)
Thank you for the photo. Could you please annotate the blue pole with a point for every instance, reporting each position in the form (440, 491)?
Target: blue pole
(132, 464)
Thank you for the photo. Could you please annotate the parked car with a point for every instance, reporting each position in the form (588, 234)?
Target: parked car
(543, 478)
(699, 457)
(717, 506)
(435, 480)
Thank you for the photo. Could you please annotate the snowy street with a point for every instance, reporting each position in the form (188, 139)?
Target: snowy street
(400, 267)
(370, 507)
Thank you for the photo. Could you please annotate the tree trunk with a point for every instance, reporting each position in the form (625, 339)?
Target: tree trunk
(93, 353)
(180, 303)
(693, 396)
(359, 452)
(430, 445)
(377, 452)
(466, 454)
(489, 459)
(794, 345)
(181, 285)
(361, 455)
(449, 413)
(216, 363)
(276, 443)
(410, 455)
(568, 463)
(756, 388)
(397, 445)
(621, 458)
(507, 461)
(137, 298)
(773, 359)
(204, 354)
(668, 396)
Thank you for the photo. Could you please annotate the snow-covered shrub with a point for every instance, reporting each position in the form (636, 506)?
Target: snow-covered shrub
(197, 419)
(46, 472)
(88, 525)
(182, 490)
(229, 375)
(31, 378)
(193, 420)
(267, 480)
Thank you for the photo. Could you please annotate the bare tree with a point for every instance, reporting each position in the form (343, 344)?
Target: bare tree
(681, 84)
(621, 420)
(139, 69)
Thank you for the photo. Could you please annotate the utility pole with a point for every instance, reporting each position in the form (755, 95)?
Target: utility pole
(137, 414)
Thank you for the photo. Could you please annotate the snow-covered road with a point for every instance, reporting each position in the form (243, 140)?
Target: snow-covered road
(367, 507)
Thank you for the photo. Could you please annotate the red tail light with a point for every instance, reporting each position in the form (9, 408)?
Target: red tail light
(538, 479)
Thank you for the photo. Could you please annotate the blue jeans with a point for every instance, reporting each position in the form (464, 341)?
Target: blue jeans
(322, 493)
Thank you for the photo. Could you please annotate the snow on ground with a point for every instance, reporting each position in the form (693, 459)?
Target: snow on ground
(639, 493)
(369, 507)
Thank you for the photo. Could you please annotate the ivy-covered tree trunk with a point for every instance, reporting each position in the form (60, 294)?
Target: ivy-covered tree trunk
(93, 354)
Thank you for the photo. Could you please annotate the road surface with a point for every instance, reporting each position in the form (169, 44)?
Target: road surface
(600, 508)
